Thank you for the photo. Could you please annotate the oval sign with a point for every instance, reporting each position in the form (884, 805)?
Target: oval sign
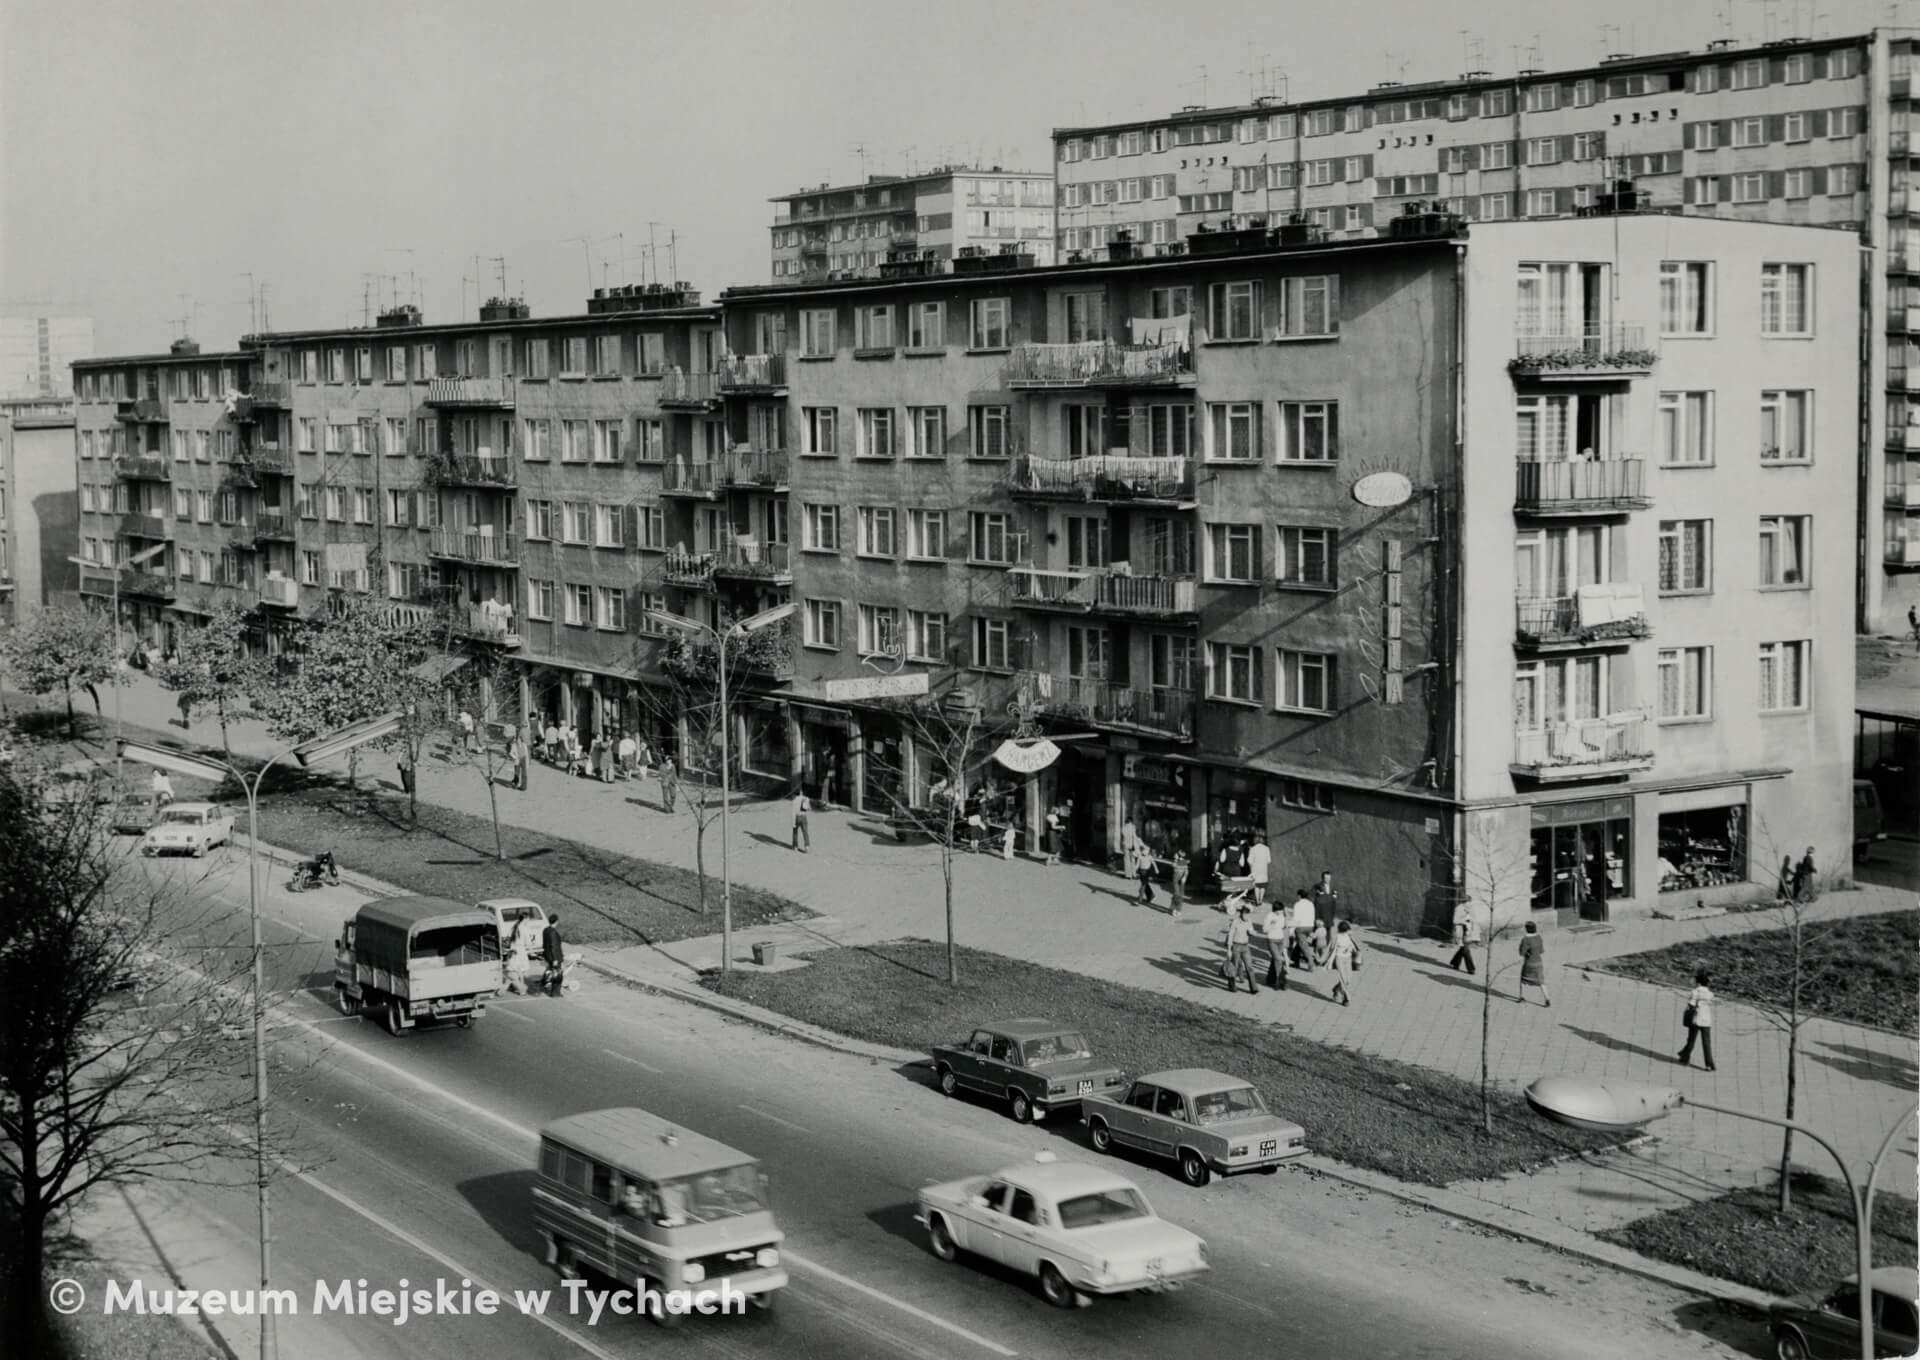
(1382, 489)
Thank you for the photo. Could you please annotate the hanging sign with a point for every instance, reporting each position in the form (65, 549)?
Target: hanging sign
(1028, 757)
(1383, 489)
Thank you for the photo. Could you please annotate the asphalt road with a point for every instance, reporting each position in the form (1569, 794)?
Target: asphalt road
(417, 1154)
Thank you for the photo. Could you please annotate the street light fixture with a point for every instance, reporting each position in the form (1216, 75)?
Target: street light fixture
(1589, 1103)
(179, 762)
(735, 631)
(145, 555)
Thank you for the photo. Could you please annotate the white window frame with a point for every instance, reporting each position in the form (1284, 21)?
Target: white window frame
(1294, 671)
(1675, 532)
(1233, 310)
(1226, 422)
(1796, 530)
(820, 624)
(1676, 663)
(1774, 316)
(1778, 406)
(876, 433)
(1686, 289)
(1294, 545)
(1225, 542)
(1674, 429)
(879, 532)
(1233, 672)
(1770, 656)
(822, 431)
(820, 526)
(926, 534)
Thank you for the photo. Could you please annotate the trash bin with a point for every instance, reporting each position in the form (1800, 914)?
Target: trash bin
(765, 952)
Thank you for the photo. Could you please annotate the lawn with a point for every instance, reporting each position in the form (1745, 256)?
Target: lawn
(1740, 1236)
(1404, 1121)
(1861, 969)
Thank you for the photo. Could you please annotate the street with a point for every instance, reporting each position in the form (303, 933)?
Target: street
(417, 1156)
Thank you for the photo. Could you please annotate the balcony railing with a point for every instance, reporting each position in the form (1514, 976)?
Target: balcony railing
(689, 568)
(1605, 352)
(272, 522)
(753, 373)
(689, 479)
(491, 625)
(471, 469)
(156, 584)
(1104, 477)
(697, 390)
(1102, 590)
(1159, 712)
(759, 561)
(1586, 748)
(1906, 437)
(264, 394)
(268, 459)
(1580, 486)
(1903, 495)
(768, 653)
(142, 409)
(493, 393)
(151, 467)
(280, 592)
(495, 546)
(748, 467)
(144, 524)
(1903, 552)
(1607, 613)
(1099, 363)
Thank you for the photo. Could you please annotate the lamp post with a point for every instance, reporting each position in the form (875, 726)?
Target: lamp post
(143, 556)
(753, 623)
(1589, 1103)
(306, 753)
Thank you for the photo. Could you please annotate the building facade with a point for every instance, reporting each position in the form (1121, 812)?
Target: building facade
(38, 517)
(37, 353)
(851, 230)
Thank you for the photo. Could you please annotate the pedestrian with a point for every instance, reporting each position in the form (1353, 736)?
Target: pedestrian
(1278, 928)
(1913, 623)
(800, 833)
(1698, 1018)
(1303, 916)
(1346, 958)
(1784, 891)
(1053, 834)
(1239, 965)
(642, 759)
(1259, 861)
(669, 783)
(830, 784)
(550, 741)
(1326, 902)
(1145, 866)
(629, 753)
(1466, 934)
(518, 957)
(161, 787)
(517, 756)
(555, 950)
(466, 731)
(1803, 877)
(605, 763)
(1066, 831)
(1177, 884)
(1006, 841)
(1533, 964)
(1317, 951)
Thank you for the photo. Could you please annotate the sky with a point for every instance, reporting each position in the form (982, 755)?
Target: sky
(154, 154)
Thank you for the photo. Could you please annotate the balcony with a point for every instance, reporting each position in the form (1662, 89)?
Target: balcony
(1904, 437)
(1610, 353)
(1903, 552)
(153, 584)
(1594, 616)
(681, 391)
(262, 395)
(470, 469)
(1166, 713)
(269, 460)
(1103, 591)
(472, 394)
(689, 570)
(748, 373)
(767, 654)
(490, 625)
(1105, 477)
(148, 467)
(1903, 495)
(690, 479)
(765, 469)
(1586, 748)
(280, 592)
(272, 523)
(1580, 487)
(489, 546)
(144, 524)
(1099, 363)
(144, 409)
(754, 562)
(1908, 320)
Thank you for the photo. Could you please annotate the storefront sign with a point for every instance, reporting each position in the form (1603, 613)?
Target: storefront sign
(1028, 757)
(1147, 770)
(878, 687)
(583, 680)
(1586, 810)
(1383, 489)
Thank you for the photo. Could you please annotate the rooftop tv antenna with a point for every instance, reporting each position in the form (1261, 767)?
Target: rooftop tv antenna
(586, 256)
(253, 305)
(500, 268)
(1474, 49)
(859, 149)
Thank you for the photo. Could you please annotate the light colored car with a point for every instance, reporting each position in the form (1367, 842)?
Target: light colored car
(1078, 1229)
(509, 911)
(189, 828)
(1205, 1120)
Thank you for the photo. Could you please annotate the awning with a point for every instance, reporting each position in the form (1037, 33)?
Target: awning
(437, 668)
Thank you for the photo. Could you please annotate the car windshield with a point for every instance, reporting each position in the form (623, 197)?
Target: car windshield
(1055, 1047)
(1108, 1206)
(182, 817)
(1237, 1103)
(712, 1195)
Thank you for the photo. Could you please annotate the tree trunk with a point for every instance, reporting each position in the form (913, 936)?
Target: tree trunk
(700, 855)
(1486, 1029)
(71, 731)
(26, 1320)
(493, 802)
(1793, 1068)
(220, 711)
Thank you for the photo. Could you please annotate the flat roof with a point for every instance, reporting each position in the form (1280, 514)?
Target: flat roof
(653, 1147)
(200, 358)
(889, 181)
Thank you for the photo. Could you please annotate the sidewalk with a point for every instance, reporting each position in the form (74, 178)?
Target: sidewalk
(1854, 1081)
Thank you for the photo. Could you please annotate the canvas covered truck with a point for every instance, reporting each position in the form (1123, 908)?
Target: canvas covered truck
(409, 959)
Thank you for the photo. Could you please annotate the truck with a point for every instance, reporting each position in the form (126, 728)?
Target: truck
(408, 959)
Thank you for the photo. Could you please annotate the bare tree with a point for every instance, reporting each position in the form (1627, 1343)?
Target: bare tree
(1498, 877)
(482, 679)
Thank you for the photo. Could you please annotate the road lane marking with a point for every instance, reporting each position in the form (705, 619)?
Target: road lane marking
(500, 1009)
(767, 1114)
(793, 1258)
(658, 1072)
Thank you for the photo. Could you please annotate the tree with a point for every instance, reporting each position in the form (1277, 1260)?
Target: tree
(1499, 878)
(60, 650)
(117, 1057)
(484, 677)
(211, 665)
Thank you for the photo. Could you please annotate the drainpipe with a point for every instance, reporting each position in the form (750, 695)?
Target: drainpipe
(1457, 548)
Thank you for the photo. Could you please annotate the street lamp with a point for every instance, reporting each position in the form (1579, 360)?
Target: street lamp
(143, 556)
(1589, 1103)
(753, 623)
(307, 752)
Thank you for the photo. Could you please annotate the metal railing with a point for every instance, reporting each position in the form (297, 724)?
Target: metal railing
(1097, 363)
(491, 626)
(276, 392)
(756, 467)
(279, 590)
(1163, 712)
(1618, 739)
(136, 582)
(152, 467)
(1110, 477)
(1619, 612)
(495, 392)
(144, 524)
(142, 408)
(472, 469)
(689, 479)
(753, 559)
(1103, 589)
(1608, 483)
(688, 568)
(1614, 347)
(751, 371)
(272, 522)
(474, 545)
(680, 388)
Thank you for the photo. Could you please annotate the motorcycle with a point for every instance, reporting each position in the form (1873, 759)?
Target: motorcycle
(311, 873)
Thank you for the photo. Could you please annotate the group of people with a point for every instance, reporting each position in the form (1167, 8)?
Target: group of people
(1302, 936)
(519, 957)
(612, 754)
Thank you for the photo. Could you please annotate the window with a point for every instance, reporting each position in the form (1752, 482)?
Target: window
(1089, 541)
(609, 526)
(991, 645)
(926, 432)
(579, 600)
(1843, 122)
(1686, 429)
(1785, 429)
(1496, 156)
(873, 327)
(1233, 311)
(1309, 431)
(1233, 553)
(926, 636)
(610, 608)
(1089, 653)
(1232, 672)
(1542, 98)
(1750, 74)
(1305, 557)
(574, 361)
(1542, 203)
(1784, 542)
(426, 360)
(309, 567)
(821, 524)
(363, 505)
(539, 519)
(1543, 150)
(877, 531)
(927, 534)
(305, 429)
(926, 325)
(1234, 431)
(650, 440)
(539, 356)
(1686, 683)
(336, 365)
(1797, 184)
(990, 537)
(1171, 661)
(393, 436)
(817, 339)
(1750, 131)
(878, 627)
(1086, 317)
(1843, 63)
(399, 508)
(1843, 179)
(821, 625)
(1310, 306)
(1796, 128)
(1786, 293)
(1783, 676)
(989, 323)
(1686, 297)
(1086, 429)
(1496, 207)
(576, 521)
(650, 352)
(1750, 187)
(1303, 681)
(652, 522)
(337, 504)
(1169, 431)
(1686, 556)
(575, 442)
(876, 432)
(536, 440)
(606, 440)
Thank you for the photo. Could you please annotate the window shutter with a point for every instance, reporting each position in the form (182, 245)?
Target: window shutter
(1776, 70)
(1723, 132)
(630, 526)
(1723, 188)
(1820, 179)
(1333, 304)
(1817, 122)
(1690, 136)
(1366, 214)
(1818, 65)
(1776, 127)
(1563, 200)
(1776, 184)
(1366, 166)
(1563, 147)
(1723, 77)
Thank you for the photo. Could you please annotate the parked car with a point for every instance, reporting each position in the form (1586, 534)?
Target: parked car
(507, 911)
(1078, 1229)
(1207, 1121)
(1869, 822)
(1036, 1066)
(135, 813)
(1817, 1326)
(194, 828)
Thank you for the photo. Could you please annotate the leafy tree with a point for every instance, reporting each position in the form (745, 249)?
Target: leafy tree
(211, 665)
(58, 650)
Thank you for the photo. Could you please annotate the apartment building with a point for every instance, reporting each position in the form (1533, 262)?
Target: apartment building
(1813, 132)
(851, 230)
(37, 351)
(38, 522)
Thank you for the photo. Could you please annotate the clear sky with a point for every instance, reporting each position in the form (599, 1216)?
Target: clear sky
(153, 152)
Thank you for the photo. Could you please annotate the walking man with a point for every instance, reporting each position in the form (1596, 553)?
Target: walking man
(555, 950)
(1303, 916)
(517, 754)
(1803, 876)
(1240, 950)
(669, 783)
(1053, 835)
(1326, 902)
(1698, 1018)
(1259, 861)
(1913, 623)
(1178, 888)
(1466, 934)
(1279, 929)
(466, 731)
(802, 840)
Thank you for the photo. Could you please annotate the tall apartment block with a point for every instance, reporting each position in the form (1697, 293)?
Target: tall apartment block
(37, 353)
(1794, 131)
(1519, 546)
(852, 230)
(37, 518)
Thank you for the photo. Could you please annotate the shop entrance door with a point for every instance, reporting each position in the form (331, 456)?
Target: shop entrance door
(1581, 857)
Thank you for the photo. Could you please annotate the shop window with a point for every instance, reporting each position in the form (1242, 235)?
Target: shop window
(1703, 847)
(1305, 795)
(1581, 855)
(1236, 810)
(767, 751)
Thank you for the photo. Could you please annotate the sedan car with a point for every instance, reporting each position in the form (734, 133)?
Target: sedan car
(1829, 1325)
(1206, 1121)
(1035, 1066)
(1079, 1230)
(192, 828)
(136, 813)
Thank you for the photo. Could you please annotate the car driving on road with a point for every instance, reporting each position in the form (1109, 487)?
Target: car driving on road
(1206, 1121)
(1035, 1066)
(188, 828)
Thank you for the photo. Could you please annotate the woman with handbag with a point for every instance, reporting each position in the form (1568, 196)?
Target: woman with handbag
(1698, 1018)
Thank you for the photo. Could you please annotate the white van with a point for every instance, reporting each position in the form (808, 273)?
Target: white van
(509, 911)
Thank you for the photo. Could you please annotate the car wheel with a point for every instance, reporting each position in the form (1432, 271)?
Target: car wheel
(941, 1240)
(949, 1084)
(564, 1261)
(1100, 1136)
(763, 1301)
(660, 1315)
(1055, 1289)
(349, 1005)
(1269, 1170)
(1194, 1169)
(396, 1026)
(1790, 1345)
(1020, 1107)
(465, 1022)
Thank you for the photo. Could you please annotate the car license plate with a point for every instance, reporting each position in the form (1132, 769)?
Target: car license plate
(1271, 1145)
(1085, 1087)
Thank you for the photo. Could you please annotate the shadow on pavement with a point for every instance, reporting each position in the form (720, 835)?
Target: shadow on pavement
(897, 1220)
(505, 1201)
(1618, 1045)
(1863, 1064)
(1734, 1325)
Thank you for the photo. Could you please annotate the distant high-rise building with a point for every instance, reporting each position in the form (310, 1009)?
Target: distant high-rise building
(852, 230)
(37, 353)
